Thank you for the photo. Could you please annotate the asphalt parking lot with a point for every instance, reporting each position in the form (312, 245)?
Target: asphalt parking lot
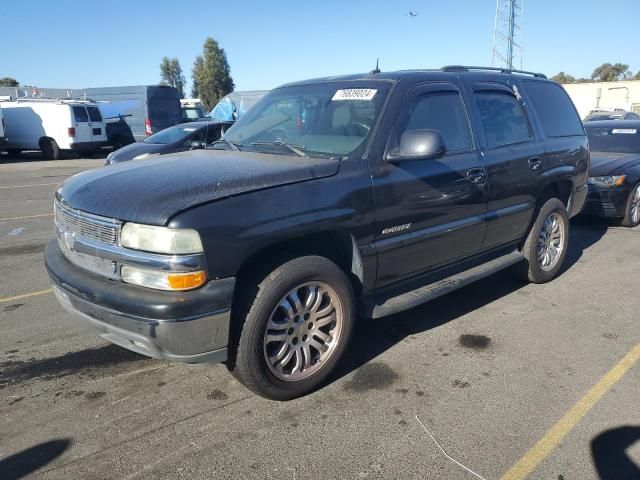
(510, 380)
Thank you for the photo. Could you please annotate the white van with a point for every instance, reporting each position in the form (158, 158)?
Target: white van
(53, 126)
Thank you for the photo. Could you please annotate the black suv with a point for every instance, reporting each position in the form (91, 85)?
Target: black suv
(364, 194)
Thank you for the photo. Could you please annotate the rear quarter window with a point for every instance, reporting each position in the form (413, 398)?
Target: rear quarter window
(555, 109)
(94, 114)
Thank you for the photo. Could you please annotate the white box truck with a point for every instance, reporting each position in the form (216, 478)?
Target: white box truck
(53, 126)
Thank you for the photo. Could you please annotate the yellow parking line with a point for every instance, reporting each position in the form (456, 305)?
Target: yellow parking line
(27, 217)
(554, 436)
(25, 295)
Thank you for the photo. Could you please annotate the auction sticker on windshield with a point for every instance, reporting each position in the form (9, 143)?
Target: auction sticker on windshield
(628, 131)
(355, 94)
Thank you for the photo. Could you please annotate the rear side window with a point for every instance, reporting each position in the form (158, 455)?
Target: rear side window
(80, 114)
(94, 114)
(555, 110)
(444, 112)
(503, 119)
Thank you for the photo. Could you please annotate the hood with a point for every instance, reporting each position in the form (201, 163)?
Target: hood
(611, 163)
(153, 191)
(134, 149)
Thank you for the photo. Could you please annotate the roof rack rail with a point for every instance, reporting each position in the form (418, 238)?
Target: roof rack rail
(465, 68)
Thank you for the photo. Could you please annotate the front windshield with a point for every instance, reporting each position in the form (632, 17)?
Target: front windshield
(610, 139)
(324, 118)
(170, 135)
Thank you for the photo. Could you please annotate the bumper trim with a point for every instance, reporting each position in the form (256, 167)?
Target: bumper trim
(187, 341)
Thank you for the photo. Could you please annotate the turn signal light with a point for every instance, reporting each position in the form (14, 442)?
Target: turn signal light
(186, 281)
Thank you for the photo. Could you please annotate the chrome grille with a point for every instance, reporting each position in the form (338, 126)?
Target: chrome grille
(97, 265)
(100, 229)
(74, 225)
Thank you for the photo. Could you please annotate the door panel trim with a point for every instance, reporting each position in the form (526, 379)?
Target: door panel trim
(506, 211)
(417, 236)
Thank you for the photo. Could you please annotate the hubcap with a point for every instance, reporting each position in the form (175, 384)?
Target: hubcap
(551, 241)
(303, 331)
(635, 205)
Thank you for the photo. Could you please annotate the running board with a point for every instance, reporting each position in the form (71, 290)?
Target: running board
(434, 290)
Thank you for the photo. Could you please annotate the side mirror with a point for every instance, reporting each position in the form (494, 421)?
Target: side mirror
(418, 145)
(197, 145)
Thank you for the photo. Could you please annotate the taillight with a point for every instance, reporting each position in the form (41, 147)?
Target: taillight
(71, 131)
(147, 127)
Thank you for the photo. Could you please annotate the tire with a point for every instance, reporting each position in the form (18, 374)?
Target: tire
(537, 267)
(50, 149)
(271, 327)
(632, 213)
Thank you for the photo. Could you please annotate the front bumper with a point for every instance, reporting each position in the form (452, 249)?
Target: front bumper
(188, 327)
(609, 202)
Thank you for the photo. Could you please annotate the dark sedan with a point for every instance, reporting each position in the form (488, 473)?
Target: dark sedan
(170, 140)
(614, 177)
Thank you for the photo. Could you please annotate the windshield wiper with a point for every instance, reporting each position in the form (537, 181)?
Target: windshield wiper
(228, 143)
(297, 149)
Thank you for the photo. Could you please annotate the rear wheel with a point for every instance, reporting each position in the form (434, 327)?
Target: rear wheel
(632, 213)
(296, 327)
(50, 149)
(546, 245)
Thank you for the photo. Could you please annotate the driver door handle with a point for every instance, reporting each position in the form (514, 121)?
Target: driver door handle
(477, 176)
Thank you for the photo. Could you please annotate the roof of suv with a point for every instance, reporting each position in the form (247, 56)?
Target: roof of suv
(444, 72)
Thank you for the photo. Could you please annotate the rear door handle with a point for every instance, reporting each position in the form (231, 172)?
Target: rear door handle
(477, 176)
(535, 163)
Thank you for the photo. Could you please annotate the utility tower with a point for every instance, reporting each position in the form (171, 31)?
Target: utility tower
(508, 34)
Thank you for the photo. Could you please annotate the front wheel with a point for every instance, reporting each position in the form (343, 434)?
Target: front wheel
(546, 245)
(632, 213)
(296, 327)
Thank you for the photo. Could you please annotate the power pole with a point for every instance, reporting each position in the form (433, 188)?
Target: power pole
(508, 34)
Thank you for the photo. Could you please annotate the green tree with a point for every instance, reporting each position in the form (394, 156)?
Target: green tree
(196, 72)
(637, 76)
(211, 74)
(9, 82)
(611, 73)
(171, 73)
(563, 78)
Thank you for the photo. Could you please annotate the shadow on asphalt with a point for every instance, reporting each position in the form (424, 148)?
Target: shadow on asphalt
(35, 156)
(23, 463)
(609, 453)
(373, 337)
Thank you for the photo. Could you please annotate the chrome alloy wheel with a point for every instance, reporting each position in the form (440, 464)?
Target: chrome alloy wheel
(551, 241)
(303, 331)
(635, 205)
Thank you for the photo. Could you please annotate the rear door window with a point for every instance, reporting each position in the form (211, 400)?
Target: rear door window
(503, 119)
(94, 114)
(80, 114)
(554, 108)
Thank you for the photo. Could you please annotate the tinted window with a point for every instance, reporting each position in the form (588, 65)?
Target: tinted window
(554, 108)
(442, 111)
(171, 135)
(618, 139)
(94, 114)
(164, 112)
(503, 119)
(80, 114)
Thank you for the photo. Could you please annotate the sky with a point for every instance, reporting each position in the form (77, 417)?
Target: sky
(74, 44)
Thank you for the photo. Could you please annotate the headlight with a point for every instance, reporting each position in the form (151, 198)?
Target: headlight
(608, 181)
(162, 280)
(174, 241)
(144, 155)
